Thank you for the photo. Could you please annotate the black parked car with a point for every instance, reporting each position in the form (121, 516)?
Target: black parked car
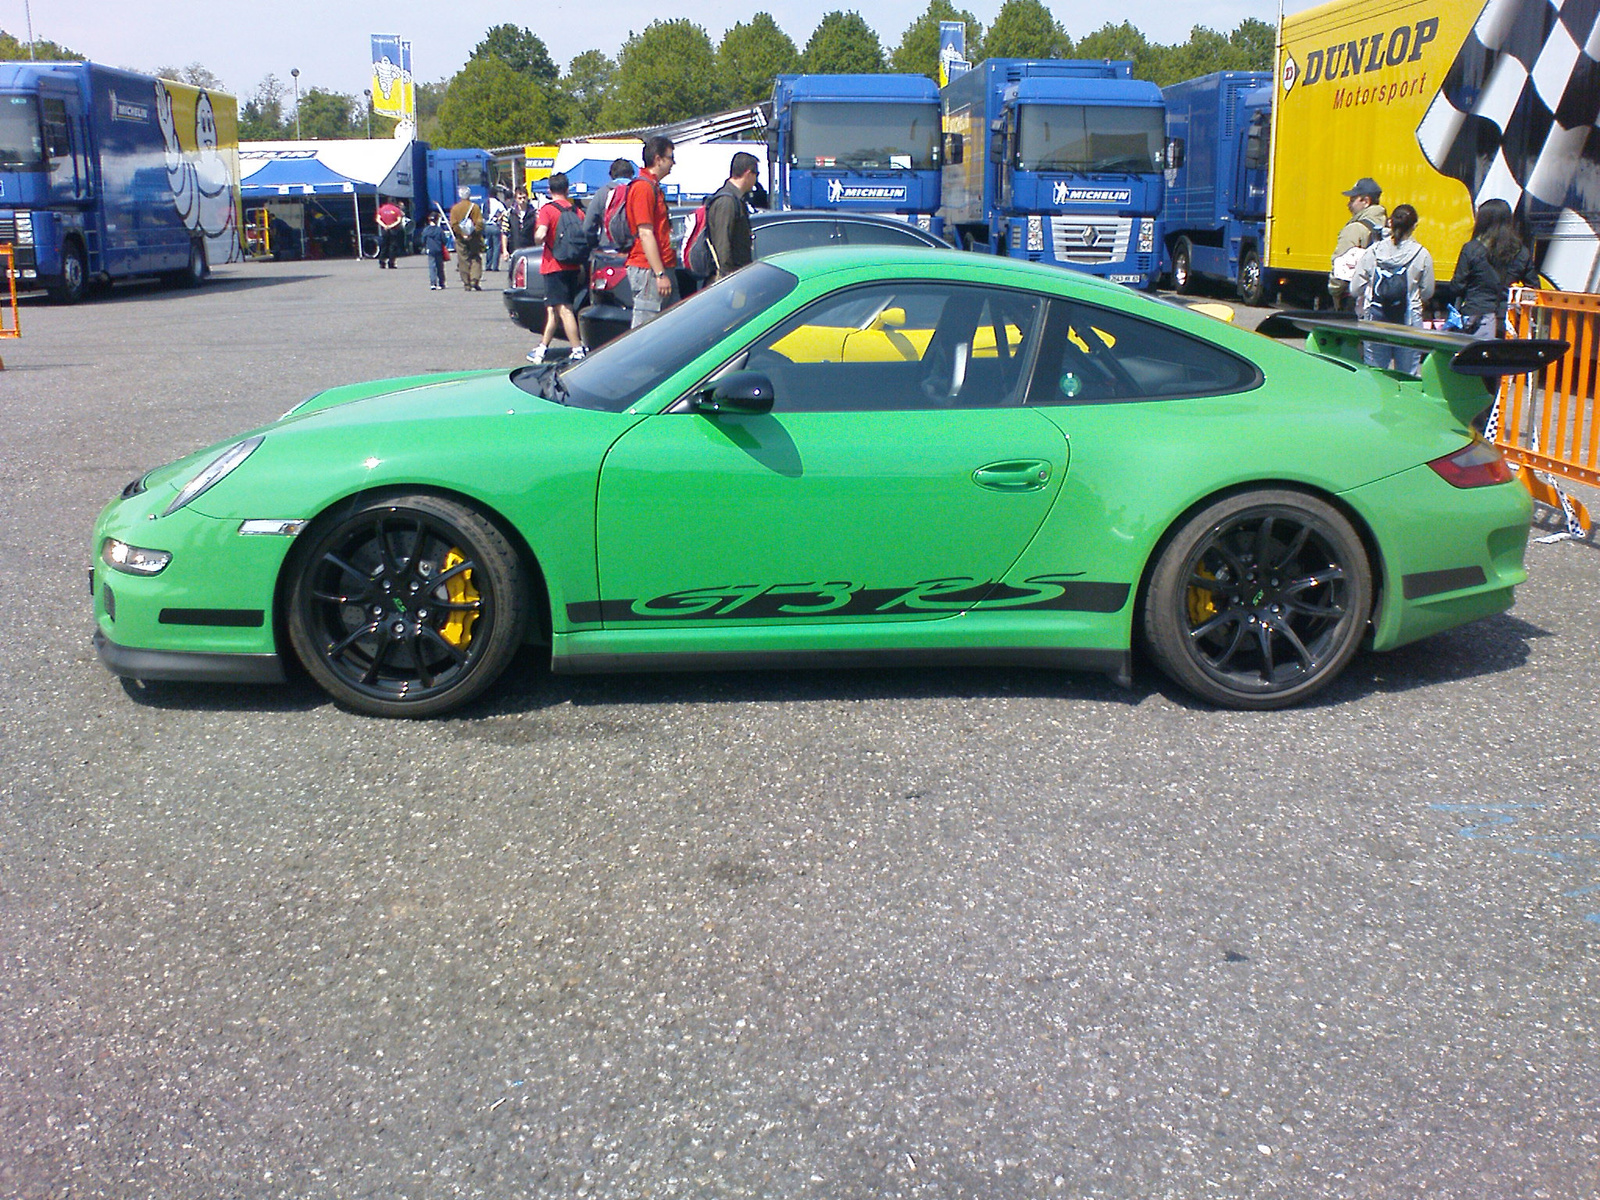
(605, 308)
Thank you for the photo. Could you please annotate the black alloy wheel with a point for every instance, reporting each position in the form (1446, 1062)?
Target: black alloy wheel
(407, 607)
(1259, 600)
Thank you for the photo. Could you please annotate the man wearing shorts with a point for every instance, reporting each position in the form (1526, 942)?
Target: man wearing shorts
(562, 281)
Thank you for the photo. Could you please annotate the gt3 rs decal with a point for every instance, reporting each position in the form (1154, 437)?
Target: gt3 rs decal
(842, 599)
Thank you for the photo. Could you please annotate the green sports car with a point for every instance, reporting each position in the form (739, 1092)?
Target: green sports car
(833, 457)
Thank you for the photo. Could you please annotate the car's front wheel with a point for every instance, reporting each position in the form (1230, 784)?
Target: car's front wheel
(408, 606)
(1259, 600)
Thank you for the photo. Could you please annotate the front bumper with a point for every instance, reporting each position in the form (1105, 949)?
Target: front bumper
(188, 665)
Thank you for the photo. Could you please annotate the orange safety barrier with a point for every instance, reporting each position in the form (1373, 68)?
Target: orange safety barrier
(9, 325)
(1550, 422)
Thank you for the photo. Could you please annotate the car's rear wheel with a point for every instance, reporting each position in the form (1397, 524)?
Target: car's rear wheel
(1259, 600)
(407, 607)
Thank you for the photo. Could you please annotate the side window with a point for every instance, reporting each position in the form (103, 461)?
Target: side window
(864, 234)
(1094, 355)
(887, 348)
(57, 133)
(792, 235)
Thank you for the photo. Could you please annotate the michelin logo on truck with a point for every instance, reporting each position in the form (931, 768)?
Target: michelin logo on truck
(839, 191)
(1064, 193)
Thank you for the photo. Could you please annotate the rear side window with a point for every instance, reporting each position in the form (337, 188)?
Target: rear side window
(865, 233)
(778, 236)
(1094, 356)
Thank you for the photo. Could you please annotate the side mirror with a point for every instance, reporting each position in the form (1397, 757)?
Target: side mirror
(954, 149)
(1175, 152)
(745, 393)
(770, 136)
(997, 147)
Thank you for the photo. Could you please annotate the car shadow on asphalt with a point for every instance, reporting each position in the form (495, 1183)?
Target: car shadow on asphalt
(1488, 647)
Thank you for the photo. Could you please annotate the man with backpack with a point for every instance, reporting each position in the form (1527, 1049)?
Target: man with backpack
(622, 171)
(466, 222)
(729, 242)
(561, 267)
(652, 261)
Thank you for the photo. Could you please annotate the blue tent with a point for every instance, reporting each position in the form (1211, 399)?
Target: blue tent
(298, 177)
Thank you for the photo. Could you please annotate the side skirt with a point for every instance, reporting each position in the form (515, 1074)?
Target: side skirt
(1115, 663)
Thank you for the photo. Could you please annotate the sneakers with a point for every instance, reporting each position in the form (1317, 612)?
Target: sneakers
(578, 353)
(536, 355)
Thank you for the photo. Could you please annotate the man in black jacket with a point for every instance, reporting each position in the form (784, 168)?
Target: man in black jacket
(727, 218)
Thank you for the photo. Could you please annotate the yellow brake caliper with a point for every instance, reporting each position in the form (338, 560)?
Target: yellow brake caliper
(459, 590)
(1202, 603)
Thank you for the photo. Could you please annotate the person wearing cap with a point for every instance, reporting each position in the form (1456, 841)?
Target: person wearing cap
(1366, 224)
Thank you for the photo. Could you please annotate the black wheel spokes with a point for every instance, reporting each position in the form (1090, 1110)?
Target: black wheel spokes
(381, 626)
(1278, 601)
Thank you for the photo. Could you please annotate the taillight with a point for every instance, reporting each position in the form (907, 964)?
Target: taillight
(519, 273)
(1476, 465)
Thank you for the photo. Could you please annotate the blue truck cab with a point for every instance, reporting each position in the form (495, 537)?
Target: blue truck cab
(448, 170)
(1219, 130)
(106, 174)
(1057, 161)
(858, 143)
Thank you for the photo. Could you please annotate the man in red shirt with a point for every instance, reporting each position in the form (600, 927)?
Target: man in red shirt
(652, 261)
(562, 280)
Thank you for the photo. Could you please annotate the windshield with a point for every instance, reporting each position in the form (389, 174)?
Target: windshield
(639, 361)
(21, 147)
(886, 136)
(1073, 137)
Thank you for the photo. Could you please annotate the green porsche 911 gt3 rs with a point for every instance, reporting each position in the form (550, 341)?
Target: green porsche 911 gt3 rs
(840, 457)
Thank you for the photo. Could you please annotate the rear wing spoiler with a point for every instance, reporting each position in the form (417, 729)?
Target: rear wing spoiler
(1453, 362)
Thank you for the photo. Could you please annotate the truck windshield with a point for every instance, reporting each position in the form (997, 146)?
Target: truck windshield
(887, 136)
(21, 145)
(1072, 137)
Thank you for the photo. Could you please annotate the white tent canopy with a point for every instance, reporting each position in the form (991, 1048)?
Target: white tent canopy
(381, 166)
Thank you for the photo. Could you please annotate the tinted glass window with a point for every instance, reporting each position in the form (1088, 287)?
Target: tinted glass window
(864, 233)
(889, 347)
(883, 136)
(1093, 355)
(57, 141)
(21, 147)
(1090, 137)
(627, 369)
(792, 235)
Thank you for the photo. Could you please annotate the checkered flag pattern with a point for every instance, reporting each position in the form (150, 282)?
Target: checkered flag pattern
(1515, 119)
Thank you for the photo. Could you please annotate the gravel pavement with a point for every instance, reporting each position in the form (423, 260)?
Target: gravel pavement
(847, 934)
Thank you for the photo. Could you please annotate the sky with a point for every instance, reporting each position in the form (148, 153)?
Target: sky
(329, 42)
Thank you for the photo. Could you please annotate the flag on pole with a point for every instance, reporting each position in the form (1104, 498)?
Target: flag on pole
(393, 93)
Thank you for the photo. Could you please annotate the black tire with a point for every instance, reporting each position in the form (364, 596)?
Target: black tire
(367, 618)
(1252, 280)
(1182, 266)
(73, 284)
(194, 272)
(1259, 600)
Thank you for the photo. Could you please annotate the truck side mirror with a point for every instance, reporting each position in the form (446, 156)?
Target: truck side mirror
(997, 147)
(953, 149)
(1174, 152)
(771, 138)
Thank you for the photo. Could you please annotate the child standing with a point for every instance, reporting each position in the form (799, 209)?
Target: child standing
(432, 242)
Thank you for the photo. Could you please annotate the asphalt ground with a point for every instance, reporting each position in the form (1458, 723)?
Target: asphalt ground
(846, 934)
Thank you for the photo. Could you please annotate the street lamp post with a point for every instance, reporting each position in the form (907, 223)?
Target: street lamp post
(295, 73)
(367, 92)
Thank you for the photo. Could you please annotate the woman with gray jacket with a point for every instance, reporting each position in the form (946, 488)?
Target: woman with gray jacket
(1393, 280)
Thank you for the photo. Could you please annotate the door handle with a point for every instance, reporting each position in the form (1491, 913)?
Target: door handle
(1018, 475)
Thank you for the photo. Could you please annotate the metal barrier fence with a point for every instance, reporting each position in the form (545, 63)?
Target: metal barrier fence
(1549, 423)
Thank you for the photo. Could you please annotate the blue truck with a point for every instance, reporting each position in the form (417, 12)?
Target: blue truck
(106, 174)
(447, 170)
(1057, 161)
(860, 143)
(1219, 135)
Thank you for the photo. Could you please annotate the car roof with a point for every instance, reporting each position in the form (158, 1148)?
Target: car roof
(822, 260)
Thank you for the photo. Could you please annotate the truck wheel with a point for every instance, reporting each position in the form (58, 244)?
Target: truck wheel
(74, 281)
(1252, 280)
(193, 274)
(1182, 272)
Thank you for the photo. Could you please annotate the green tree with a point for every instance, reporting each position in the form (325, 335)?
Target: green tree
(520, 49)
(15, 50)
(325, 114)
(918, 51)
(1205, 51)
(261, 116)
(590, 79)
(842, 44)
(489, 104)
(750, 55)
(1124, 42)
(1026, 29)
(1256, 42)
(665, 74)
(194, 74)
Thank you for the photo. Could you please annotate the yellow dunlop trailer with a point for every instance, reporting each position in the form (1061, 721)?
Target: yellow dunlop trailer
(1445, 104)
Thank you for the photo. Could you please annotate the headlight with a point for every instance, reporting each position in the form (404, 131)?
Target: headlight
(133, 560)
(214, 472)
(24, 229)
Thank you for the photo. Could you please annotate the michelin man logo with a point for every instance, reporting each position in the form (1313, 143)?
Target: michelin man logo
(388, 73)
(202, 187)
(835, 190)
